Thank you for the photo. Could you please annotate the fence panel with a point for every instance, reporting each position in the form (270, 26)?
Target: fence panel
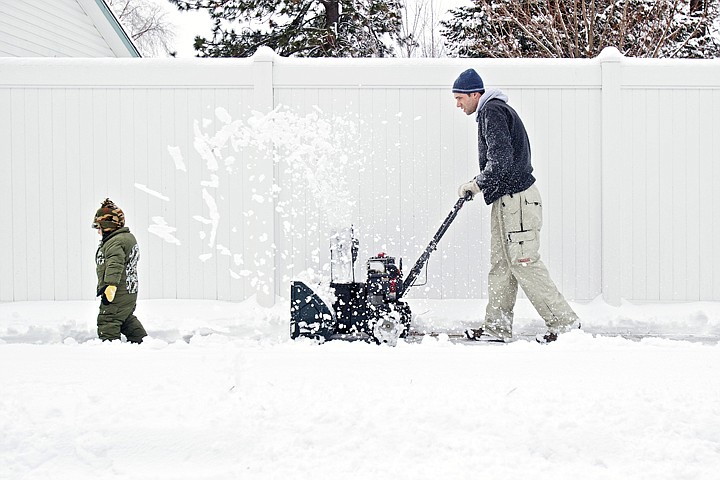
(669, 155)
(624, 152)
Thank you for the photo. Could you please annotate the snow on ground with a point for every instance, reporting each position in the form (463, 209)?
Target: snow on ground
(220, 392)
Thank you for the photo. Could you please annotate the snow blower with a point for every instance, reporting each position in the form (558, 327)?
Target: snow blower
(371, 311)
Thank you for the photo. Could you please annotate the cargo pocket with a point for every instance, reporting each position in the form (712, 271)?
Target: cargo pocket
(531, 209)
(510, 208)
(523, 247)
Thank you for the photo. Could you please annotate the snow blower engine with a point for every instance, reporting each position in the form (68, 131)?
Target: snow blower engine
(372, 311)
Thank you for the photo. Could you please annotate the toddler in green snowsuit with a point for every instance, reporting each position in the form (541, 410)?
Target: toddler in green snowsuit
(116, 259)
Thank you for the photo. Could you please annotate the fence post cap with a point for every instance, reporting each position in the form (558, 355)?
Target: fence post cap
(264, 54)
(610, 54)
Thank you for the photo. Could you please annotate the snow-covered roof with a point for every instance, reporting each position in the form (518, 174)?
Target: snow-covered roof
(62, 28)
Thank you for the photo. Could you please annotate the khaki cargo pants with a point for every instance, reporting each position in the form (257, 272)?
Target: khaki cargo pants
(514, 258)
(119, 317)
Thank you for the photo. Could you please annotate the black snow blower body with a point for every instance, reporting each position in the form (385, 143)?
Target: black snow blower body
(371, 311)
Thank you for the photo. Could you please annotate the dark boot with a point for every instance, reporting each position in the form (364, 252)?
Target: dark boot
(479, 335)
(547, 338)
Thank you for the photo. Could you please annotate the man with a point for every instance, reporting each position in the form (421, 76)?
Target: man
(508, 185)
(116, 262)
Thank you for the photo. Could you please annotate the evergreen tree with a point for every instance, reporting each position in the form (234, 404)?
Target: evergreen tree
(302, 28)
(582, 28)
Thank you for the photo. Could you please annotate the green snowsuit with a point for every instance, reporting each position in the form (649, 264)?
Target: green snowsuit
(117, 259)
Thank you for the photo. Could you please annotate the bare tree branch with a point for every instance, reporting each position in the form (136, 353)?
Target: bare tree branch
(147, 25)
(582, 28)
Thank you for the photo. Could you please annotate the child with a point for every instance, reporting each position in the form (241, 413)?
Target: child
(117, 259)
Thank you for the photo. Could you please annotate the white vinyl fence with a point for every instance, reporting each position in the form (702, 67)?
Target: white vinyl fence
(233, 172)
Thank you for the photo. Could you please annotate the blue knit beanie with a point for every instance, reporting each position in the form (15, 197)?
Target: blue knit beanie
(468, 82)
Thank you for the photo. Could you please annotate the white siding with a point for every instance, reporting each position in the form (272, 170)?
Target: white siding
(624, 152)
(49, 28)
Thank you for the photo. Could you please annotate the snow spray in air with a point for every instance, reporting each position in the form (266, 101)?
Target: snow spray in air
(308, 187)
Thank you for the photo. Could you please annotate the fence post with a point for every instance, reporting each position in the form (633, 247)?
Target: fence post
(610, 64)
(264, 233)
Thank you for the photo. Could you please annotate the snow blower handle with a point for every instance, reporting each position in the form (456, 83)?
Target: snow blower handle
(417, 268)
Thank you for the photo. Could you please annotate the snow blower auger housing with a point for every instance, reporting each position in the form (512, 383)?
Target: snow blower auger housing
(373, 310)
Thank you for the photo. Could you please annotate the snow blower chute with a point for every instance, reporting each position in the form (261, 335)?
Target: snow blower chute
(373, 310)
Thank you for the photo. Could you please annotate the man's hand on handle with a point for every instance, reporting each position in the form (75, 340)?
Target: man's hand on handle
(469, 190)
